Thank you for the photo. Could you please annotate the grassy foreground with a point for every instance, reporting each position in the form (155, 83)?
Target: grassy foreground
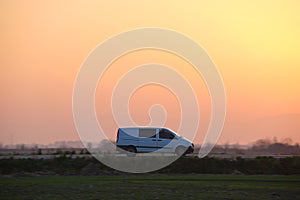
(151, 186)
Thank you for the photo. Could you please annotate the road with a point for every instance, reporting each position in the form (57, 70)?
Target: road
(224, 156)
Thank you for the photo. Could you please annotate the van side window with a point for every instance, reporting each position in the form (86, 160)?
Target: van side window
(147, 132)
(165, 134)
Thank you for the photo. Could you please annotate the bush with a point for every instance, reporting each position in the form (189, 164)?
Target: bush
(64, 165)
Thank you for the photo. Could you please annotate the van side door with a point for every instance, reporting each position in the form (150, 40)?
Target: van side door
(164, 138)
(147, 140)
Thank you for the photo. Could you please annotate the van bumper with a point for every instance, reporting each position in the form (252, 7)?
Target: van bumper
(190, 149)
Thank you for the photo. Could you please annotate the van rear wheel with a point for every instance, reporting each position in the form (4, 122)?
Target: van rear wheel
(131, 151)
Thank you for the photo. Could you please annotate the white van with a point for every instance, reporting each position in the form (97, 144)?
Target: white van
(148, 139)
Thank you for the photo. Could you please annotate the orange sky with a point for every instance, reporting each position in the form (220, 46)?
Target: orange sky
(255, 45)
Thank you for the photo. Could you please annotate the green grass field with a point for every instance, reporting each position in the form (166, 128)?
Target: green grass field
(151, 187)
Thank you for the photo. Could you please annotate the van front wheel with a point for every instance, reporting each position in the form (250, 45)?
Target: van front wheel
(180, 151)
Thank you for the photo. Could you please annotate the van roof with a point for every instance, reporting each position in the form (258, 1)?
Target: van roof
(140, 127)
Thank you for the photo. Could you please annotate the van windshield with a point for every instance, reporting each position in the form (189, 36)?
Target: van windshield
(176, 134)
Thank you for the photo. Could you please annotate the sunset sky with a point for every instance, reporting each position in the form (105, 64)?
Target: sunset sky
(255, 45)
